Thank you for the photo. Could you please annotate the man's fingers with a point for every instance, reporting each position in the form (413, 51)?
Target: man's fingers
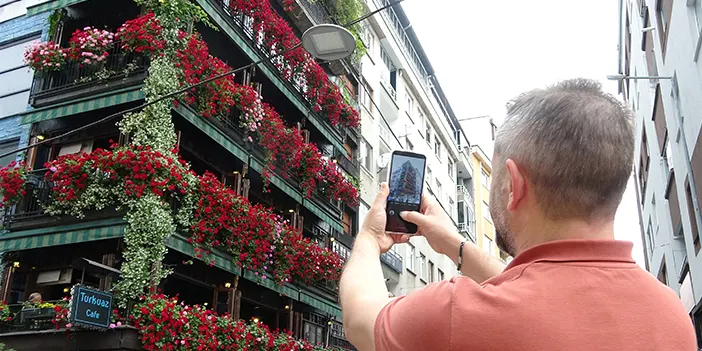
(400, 238)
(382, 196)
(414, 217)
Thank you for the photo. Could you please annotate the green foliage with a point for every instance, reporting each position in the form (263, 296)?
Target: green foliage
(346, 11)
(3, 348)
(183, 12)
(54, 20)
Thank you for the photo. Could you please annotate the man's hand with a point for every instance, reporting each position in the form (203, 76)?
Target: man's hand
(435, 225)
(374, 224)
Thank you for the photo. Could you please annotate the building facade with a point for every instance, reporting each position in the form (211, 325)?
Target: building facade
(48, 253)
(404, 108)
(659, 49)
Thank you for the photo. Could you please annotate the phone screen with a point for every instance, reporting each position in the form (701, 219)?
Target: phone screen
(406, 183)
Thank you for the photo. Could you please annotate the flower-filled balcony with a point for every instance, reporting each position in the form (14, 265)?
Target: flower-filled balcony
(25, 208)
(94, 62)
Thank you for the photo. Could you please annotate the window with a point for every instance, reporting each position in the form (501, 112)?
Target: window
(429, 176)
(451, 207)
(16, 77)
(461, 213)
(422, 266)
(663, 10)
(663, 273)
(693, 218)
(420, 114)
(347, 224)
(409, 104)
(451, 166)
(440, 275)
(485, 179)
(314, 333)
(364, 97)
(408, 144)
(366, 155)
(437, 148)
(369, 40)
(7, 146)
(439, 192)
(487, 244)
(432, 276)
(411, 258)
(428, 134)
(486, 211)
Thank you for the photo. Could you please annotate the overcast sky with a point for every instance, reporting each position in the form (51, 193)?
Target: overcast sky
(486, 52)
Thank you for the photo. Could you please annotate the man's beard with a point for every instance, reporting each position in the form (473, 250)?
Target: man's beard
(504, 238)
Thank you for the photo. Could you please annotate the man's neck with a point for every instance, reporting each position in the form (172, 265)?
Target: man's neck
(536, 234)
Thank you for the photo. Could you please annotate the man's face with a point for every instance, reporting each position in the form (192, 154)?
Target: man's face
(499, 195)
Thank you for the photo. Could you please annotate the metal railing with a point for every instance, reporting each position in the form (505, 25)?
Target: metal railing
(38, 191)
(393, 260)
(398, 31)
(118, 64)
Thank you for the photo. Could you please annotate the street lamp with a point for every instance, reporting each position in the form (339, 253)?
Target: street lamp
(623, 77)
(329, 42)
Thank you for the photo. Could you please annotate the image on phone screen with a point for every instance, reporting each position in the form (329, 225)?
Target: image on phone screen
(406, 181)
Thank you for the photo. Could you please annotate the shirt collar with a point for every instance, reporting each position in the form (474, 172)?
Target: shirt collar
(577, 250)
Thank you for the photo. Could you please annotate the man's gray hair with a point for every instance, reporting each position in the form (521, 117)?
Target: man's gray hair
(576, 145)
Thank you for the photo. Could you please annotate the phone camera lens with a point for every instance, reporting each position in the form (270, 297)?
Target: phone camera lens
(392, 212)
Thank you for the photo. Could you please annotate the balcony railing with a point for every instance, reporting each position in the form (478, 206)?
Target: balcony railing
(29, 207)
(297, 83)
(462, 194)
(76, 79)
(398, 31)
(393, 260)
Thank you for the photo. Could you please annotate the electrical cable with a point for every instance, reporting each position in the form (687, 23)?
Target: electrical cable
(185, 89)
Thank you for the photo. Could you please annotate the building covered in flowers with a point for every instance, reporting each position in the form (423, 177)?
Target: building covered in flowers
(219, 216)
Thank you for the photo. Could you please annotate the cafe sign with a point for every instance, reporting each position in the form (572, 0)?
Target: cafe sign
(90, 308)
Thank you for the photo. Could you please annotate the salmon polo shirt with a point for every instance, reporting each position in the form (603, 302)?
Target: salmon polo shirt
(562, 295)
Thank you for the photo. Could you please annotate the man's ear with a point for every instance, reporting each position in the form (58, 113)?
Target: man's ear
(517, 184)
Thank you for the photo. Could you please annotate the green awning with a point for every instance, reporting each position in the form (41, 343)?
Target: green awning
(323, 215)
(224, 261)
(279, 182)
(244, 44)
(206, 127)
(221, 260)
(78, 106)
(61, 235)
(50, 5)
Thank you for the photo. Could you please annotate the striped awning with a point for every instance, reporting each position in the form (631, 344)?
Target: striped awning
(93, 103)
(50, 5)
(278, 181)
(206, 127)
(308, 204)
(61, 235)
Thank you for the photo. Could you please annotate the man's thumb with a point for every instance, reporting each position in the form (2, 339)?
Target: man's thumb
(414, 217)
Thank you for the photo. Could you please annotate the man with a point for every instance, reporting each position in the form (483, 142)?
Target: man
(562, 161)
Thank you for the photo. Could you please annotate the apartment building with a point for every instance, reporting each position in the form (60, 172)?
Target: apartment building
(659, 78)
(404, 108)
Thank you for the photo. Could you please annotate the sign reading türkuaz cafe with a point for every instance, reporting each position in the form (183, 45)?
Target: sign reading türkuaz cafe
(90, 308)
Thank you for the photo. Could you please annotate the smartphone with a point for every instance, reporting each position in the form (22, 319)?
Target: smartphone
(406, 180)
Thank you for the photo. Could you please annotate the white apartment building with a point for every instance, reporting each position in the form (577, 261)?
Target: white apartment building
(403, 107)
(661, 40)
